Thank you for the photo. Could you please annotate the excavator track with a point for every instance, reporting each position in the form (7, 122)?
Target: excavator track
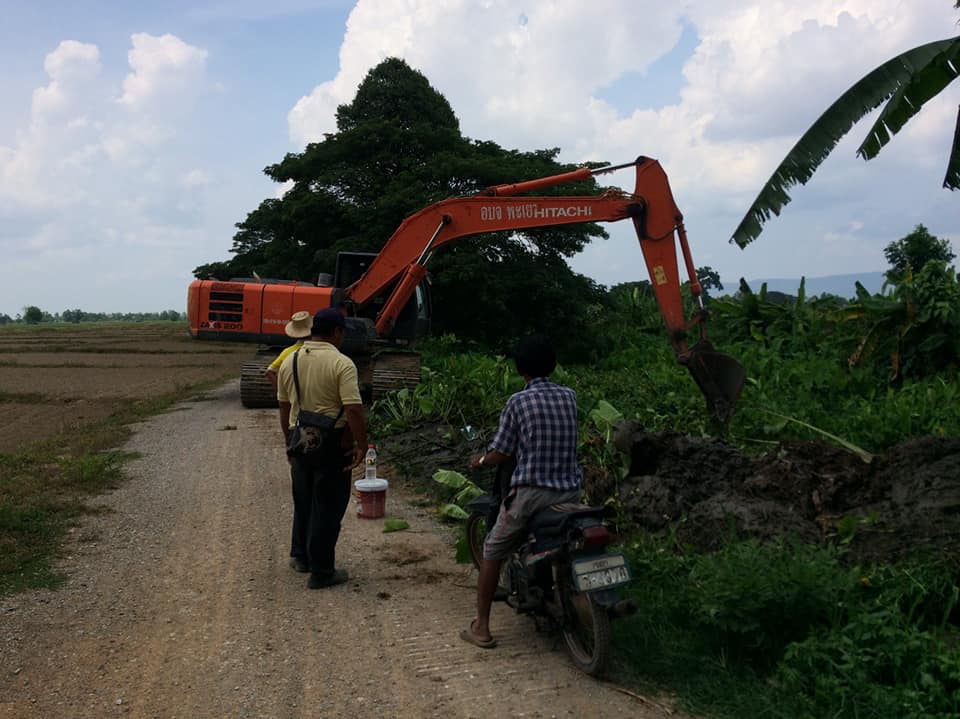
(256, 392)
(395, 370)
(390, 371)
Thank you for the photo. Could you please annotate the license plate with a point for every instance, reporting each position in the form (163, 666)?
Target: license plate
(610, 570)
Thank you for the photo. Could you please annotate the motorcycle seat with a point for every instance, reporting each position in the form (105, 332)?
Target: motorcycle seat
(553, 519)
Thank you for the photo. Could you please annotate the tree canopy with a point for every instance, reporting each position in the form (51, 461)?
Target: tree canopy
(914, 251)
(398, 148)
(32, 314)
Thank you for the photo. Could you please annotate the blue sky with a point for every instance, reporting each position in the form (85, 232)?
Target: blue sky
(133, 135)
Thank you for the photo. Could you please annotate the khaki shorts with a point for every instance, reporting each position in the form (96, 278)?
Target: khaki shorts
(517, 509)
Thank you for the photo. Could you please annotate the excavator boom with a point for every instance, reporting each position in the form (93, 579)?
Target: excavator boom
(658, 224)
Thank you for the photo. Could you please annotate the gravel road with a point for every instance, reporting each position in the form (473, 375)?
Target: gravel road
(180, 603)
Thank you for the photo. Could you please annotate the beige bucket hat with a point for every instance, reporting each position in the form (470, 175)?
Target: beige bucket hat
(299, 325)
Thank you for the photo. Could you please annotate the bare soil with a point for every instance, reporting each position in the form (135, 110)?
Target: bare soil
(703, 491)
(69, 383)
(106, 359)
(87, 373)
(904, 501)
(179, 603)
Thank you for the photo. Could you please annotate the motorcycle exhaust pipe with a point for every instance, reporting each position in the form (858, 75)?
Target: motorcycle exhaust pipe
(623, 608)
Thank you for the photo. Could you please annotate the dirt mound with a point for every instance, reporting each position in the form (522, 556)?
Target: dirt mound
(904, 501)
(702, 489)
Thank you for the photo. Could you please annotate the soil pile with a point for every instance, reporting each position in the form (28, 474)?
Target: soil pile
(904, 501)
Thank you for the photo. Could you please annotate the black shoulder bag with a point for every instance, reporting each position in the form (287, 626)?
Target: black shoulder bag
(314, 430)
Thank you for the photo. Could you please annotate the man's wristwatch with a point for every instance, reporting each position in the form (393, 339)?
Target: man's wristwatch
(482, 457)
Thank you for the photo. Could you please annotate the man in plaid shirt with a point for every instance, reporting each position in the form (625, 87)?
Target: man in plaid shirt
(538, 428)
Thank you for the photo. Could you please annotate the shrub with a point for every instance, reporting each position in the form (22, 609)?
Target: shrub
(877, 665)
(750, 599)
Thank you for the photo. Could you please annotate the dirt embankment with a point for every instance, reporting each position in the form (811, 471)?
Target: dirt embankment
(906, 500)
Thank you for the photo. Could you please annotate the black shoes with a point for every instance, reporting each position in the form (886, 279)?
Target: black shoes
(319, 581)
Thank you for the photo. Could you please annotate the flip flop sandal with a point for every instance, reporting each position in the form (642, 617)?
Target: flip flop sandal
(468, 636)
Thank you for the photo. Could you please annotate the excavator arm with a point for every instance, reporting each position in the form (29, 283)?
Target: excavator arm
(658, 224)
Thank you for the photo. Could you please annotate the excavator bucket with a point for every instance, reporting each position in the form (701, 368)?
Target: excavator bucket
(720, 378)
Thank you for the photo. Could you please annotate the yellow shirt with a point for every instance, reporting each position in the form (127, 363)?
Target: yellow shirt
(287, 351)
(328, 381)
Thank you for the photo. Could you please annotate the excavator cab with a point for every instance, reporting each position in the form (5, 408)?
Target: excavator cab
(413, 321)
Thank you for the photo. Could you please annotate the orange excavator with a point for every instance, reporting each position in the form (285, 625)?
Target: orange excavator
(386, 296)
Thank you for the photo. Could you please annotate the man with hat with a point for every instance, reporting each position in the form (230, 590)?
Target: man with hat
(321, 482)
(298, 328)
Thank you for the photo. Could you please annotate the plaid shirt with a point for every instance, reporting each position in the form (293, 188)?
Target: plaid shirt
(539, 427)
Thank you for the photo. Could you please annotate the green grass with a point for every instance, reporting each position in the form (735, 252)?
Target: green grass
(45, 487)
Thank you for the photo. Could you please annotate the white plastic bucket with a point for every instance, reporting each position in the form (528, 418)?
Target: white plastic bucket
(372, 494)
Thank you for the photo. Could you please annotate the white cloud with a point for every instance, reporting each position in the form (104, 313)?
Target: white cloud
(531, 75)
(161, 67)
(500, 60)
(71, 66)
(92, 181)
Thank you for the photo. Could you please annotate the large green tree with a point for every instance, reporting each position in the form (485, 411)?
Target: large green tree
(398, 148)
(904, 83)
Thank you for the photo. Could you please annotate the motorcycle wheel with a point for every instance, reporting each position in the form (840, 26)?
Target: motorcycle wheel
(476, 531)
(586, 631)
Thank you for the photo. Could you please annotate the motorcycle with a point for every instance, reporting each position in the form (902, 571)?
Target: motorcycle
(563, 573)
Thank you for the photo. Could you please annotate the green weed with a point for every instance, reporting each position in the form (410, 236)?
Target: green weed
(785, 630)
(44, 487)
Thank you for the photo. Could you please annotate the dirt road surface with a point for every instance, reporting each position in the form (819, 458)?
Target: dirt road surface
(180, 603)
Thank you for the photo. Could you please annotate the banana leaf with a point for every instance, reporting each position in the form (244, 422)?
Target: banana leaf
(925, 83)
(862, 453)
(452, 511)
(951, 180)
(469, 492)
(605, 416)
(905, 82)
(450, 479)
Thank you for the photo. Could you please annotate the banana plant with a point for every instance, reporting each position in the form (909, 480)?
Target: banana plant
(916, 326)
(463, 491)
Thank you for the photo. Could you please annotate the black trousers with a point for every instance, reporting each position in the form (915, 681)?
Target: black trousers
(321, 493)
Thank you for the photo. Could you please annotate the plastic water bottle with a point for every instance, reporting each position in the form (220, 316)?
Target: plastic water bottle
(371, 463)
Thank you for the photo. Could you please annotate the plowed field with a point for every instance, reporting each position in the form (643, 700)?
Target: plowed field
(54, 379)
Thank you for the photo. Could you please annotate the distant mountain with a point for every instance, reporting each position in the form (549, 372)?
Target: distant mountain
(840, 285)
